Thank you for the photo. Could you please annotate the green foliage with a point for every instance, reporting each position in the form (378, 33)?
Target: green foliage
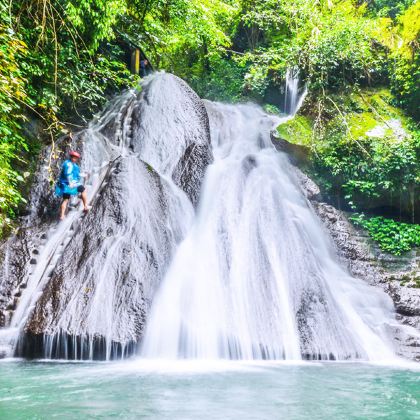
(405, 62)
(367, 169)
(332, 43)
(51, 70)
(370, 167)
(93, 20)
(12, 144)
(393, 237)
(364, 152)
(222, 83)
(68, 75)
(391, 8)
(271, 109)
(335, 46)
(183, 36)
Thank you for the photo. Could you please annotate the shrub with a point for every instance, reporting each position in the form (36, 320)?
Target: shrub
(393, 237)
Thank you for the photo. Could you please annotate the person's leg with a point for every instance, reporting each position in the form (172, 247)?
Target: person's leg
(84, 200)
(63, 208)
(83, 196)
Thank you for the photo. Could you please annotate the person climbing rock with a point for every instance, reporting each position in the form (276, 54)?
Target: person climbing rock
(69, 183)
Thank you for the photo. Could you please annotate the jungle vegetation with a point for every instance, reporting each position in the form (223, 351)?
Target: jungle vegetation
(60, 60)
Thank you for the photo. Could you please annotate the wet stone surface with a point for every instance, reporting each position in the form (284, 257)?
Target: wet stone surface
(396, 275)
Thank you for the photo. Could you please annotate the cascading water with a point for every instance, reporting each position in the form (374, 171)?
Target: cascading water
(293, 98)
(90, 289)
(56, 237)
(248, 274)
(255, 277)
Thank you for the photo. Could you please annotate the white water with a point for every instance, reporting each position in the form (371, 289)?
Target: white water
(98, 152)
(104, 296)
(255, 278)
(293, 98)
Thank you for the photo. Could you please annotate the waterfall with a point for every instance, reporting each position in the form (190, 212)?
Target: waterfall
(200, 244)
(255, 278)
(293, 98)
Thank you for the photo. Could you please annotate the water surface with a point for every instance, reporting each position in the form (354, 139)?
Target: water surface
(193, 390)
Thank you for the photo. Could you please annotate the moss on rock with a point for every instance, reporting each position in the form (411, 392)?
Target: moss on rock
(365, 113)
(360, 124)
(370, 109)
(298, 130)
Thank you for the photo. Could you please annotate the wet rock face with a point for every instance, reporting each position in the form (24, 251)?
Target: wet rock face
(15, 255)
(365, 260)
(175, 121)
(187, 175)
(18, 253)
(96, 293)
(407, 305)
(298, 155)
(103, 284)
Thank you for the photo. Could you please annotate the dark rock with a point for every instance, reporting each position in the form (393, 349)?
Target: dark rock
(310, 188)
(15, 253)
(406, 299)
(72, 347)
(299, 155)
(188, 175)
(11, 306)
(131, 281)
(186, 150)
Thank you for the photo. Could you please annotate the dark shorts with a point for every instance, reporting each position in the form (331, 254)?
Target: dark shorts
(80, 189)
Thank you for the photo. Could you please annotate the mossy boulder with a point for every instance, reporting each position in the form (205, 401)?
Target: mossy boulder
(363, 111)
(298, 130)
(371, 113)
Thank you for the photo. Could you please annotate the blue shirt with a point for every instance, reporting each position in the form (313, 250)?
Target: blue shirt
(69, 178)
(70, 173)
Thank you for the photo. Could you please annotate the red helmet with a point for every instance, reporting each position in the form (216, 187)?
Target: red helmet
(73, 153)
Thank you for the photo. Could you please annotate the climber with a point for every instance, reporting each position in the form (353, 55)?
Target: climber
(69, 183)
